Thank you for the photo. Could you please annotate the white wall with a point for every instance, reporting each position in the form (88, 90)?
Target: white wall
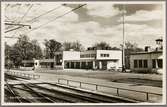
(111, 64)
(71, 55)
(113, 55)
(114, 59)
(36, 64)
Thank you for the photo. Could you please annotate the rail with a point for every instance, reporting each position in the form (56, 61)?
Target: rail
(24, 75)
(12, 92)
(147, 94)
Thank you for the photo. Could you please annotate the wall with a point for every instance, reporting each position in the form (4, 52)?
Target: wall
(90, 52)
(71, 55)
(114, 55)
(146, 56)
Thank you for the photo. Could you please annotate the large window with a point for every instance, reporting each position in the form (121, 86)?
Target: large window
(160, 64)
(140, 64)
(88, 56)
(145, 63)
(153, 63)
(135, 64)
(93, 55)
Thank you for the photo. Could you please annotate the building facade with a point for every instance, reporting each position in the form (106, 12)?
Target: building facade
(91, 59)
(149, 60)
(146, 62)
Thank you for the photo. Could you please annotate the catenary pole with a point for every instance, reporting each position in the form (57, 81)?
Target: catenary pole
(123, 41)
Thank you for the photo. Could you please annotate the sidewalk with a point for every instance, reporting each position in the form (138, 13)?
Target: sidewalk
(47, 77)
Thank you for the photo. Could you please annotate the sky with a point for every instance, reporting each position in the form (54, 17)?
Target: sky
(92, 23)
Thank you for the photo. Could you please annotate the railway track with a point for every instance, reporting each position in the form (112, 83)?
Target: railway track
(14, 96)
(55, 93)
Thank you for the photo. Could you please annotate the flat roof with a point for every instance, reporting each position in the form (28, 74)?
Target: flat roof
(90, 50)
(27, 61)
(158, 40)
(152, 52)
(46, 60)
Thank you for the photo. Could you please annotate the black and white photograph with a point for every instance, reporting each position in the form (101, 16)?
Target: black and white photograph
(83, 53)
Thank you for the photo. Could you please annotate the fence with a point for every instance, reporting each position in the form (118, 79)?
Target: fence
(23, 75)
(122, 92)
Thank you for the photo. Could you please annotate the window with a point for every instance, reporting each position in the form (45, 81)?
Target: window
(135, 64)
(87, 55)
(93, 55)
(140, 63)
(104, 55)
(145, 64)
(82, 56)
(153, 63)
(159, 63)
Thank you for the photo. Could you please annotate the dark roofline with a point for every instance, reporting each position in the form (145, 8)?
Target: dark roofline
(137, 53)
(158, 40)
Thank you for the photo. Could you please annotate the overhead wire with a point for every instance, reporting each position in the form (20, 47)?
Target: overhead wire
(26, 13)
(39, 15)
(57, 17)
(18, 8)
(23, 17)
(44, 14)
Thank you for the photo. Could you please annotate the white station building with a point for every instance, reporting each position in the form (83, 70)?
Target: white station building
(90, 59)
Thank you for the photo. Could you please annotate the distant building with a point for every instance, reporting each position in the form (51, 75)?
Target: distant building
(27, 64)
(148, 61)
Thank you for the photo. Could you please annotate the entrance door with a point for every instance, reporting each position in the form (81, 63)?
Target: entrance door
(104, 65)
(52, 64)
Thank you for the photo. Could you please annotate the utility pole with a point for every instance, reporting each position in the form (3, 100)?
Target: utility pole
(123, 31)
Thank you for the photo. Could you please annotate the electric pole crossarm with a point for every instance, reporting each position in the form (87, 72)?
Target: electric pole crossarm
(18, 24)
(11, 37)
(13, 29)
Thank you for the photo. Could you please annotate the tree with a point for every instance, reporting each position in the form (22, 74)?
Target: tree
(36, 49)
(102, 46)
(51, 46)
(130, 48)
(8, 62)
(67, 46)
(7, 51)
(77, 46)
(24, 49)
